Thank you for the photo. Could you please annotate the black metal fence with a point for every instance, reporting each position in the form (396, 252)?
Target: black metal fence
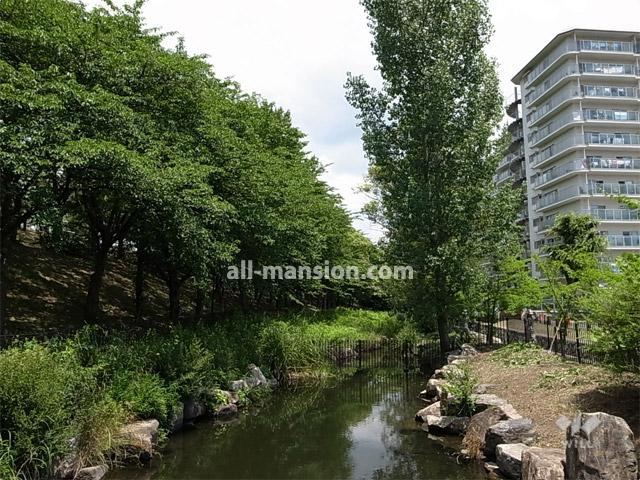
(382, 353)
(573, 341)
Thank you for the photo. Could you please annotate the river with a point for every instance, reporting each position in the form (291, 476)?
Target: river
(359, 428)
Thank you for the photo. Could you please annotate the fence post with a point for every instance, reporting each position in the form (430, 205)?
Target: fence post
(546, 322)
(555, 336)
(359, 347)
(506, 329)
(578, 342)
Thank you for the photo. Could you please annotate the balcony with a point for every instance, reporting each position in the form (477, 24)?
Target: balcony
(613, 214)
(618, 139)
(588, 68)
(602, 115)
(584, 165)
(538, 135)
(609, 92)
(592, 189)
(551, 82)
(559, 51)
(555, 149)
(502, 177)
(623, 241)
(605, 46)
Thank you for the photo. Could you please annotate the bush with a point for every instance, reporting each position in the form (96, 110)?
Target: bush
(520, 353)
(461, 383)
(144, 395)
(40, 390)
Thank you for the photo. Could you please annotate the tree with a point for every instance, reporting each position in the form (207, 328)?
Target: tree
(614, 311)
(427, 136)
(572, 270)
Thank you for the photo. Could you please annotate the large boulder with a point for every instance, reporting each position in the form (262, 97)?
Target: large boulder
(433, 409)
(139, 438)
(255, 377)
(474, 439)
(226, 411)
(509, 459)
(435, 388)
(193, 409)
(542, 464)
(445, 425)
(486, 400)
(600, 446)
(92, 473)
(519, 430)
(237, 385)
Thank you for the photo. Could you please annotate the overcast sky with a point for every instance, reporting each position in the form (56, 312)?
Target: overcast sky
(297, 53)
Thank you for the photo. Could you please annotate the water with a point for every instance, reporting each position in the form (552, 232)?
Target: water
(361, 428)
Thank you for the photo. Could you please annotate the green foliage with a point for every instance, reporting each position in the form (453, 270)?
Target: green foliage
(427, 136)
(460, 383)
(614, 312)
(145, 395)
(40, 390)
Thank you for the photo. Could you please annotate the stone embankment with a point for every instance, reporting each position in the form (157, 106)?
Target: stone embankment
(598, 445)
(138, 440)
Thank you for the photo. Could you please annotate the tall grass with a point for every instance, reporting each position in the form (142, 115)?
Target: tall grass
(87, 386)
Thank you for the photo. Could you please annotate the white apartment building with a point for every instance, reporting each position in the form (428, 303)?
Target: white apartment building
(580, 124)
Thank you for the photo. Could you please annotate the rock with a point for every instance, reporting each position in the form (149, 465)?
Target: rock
(458, 361)
(492, 470)
(468, 350)
(193, 409)
(600, 446)
(486, 400)
(477, 429)
(177, 418)
(227, 411)
(445, 425)
(542, 464)
(453, 358)
(238, 385)
(255, 377)
(508, 431)
(435, 388)
(139, 438)
(92, 473)
(433, 409)
(509, 459)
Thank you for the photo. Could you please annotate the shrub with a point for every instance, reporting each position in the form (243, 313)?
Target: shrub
(40, 390)
(144, 395)
(520, 353)
(461, 383)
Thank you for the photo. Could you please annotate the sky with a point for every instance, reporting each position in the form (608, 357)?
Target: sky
(297, 53)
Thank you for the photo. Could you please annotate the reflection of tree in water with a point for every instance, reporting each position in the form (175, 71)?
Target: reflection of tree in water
(296, 435)
(339, 430)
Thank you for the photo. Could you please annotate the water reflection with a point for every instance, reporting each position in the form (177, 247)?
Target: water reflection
(361, 428)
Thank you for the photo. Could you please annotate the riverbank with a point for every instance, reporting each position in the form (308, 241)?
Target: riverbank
(544, 387)
(523, 413)
(75, 395)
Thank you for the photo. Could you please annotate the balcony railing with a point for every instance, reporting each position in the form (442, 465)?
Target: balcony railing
(614, 214)
(500, 177)
(610, 115)
(586, 164)
(622, 241)
(568, 46)
(554, 126)
(607, 91)
(591, 189)
(605, 46)
(555, 148)
(551, 82)
(608, 68)
(612, 138)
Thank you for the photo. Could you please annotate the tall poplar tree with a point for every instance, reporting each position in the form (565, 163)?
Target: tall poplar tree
(427, 136)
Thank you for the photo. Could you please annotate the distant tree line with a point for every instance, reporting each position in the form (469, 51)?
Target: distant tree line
(113, 144)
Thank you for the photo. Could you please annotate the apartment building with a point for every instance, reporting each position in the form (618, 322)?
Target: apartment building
(579, 117)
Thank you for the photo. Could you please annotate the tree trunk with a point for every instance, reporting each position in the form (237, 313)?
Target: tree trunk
(92, 306)
(173, 283)
(443, 331)
(139, 284)
(199, 305)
